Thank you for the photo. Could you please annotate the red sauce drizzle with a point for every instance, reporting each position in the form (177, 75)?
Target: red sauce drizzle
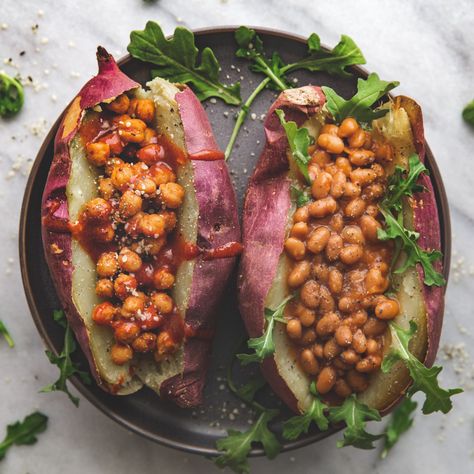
(207, 155)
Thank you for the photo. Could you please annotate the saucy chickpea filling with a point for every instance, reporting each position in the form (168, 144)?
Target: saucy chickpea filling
(339, 268)
(129, 230)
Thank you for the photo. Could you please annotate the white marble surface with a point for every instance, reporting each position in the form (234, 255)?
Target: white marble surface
(427, 45)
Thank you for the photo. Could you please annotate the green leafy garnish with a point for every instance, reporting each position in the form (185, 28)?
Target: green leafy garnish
(424, 379)
(237, 445)
(297, 425)
(301, 196)
(11, 95)
(369, 91)
(23, 432)
(264, 346)
(401, 421)
(355, 415)
(468, 113)
(67, 368)
(247, 391)
(177, 60)
(6, 334)
(299, 140)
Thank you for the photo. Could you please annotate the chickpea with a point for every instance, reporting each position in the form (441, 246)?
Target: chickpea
(331, 349)
(124, 285)
(369, 226)
(351, 190)
(104, 288)
(143, 109)
(146, 342)
(363, 176)
(131, 306)
(322, 207)
(326, 380)
(308, 362)
(119, 105)
(351, 254)
(172, 195)
(152, 225)
(336, 222)
(103, 233)
(306, 316)
(299, 230)
(350, 357)
(106, 188)
(335, 281)
(330, 143)
(318, 239)
(301, 214)
(357, 381)
(362, 157)
(374, 327)
(97, 210)
(170, 220)
(162, 302)
(132, 130)
(348, 127)
(161, 173)
(295, 248)
(310, 293)
(104, 313)
(330, 128)
(294, 329)
(122, 175)
(145, 185)
(149, 246)
(299, 274)
(129, 261)
(347, 304)
(369, 364)
(165, 345)
(328, 324)
(334, 247)
(387, 309)
(355, 208)
(151, 137)
(321, 185)
(98, 153)
(121, 354)
(338, 185)
(342, 389)
(375, 282)
(321, 158)
(320, 271)
(130, 204)
(163, 279)
(344, 165)
(343, 335)
(359, 342)
(107, 265)
(111, 164)
(126, 332)
(151, 154)
(372, 346)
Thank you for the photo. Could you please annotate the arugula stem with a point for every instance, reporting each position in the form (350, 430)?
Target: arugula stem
(244, 110)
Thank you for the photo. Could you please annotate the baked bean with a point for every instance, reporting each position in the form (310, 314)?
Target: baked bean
(347, 304)
(299, 274)
(350, 357)
(107, 264)
(341, 366)
(308, 362)
(344, 165)
(338, 185)
(334, 247)
(301, 214)
(335, 281)
(357, 381)
(294, 329)
(363, 176)
(359, 342)
(336, 222)
(351, 190)
(387, 308)
(352, 234)
(322, 207)
(313, 171)
(361, 157)
(369, 226)
(295, 248)
(330, 143)
(119, 105)
(383, 152)
(163, 279)
(378, 170)
(129, 261)
(143, 109)
(372, 346)
(357, 139)
(328, 324)
(374, 327)
(359, 317)
(132, 130)
(104, 313)
(121, 354)
(300, 230)
(318, 350)
(318, 239)
(321, 158)
(375, 282)
(355, 208)
(151, 154)
(308, 337)
(331, 349)
(373, 191)
(162, 302)
(104, 288)
(348, 127)
(124, 285)
(152, 225)
(126, 332)
(343, 335)
(326, 380)
(146, 342)
(310, 294)
(369, 364)
(320, 271)
(342, 389)
(306, 316)
(321, 185)
(330, 128)
(131, 306)
(351, 254)
(326, 301)
(372, 210)
(368, 140)
(97, 210)
(98, 153)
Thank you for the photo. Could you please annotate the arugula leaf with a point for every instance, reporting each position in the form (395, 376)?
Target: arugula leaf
(237, 444)
(407, 239)
(424, 379)
(400, 422)
(301, 196)
(295, 426)
(247, 391)
(67, 368)
(299, 140)
(6, 334)
(369, 91)
(346, 53)
(468, 113)
(264, 346)
(24, 432)
(177, 61)
(355, 414)
(12, 96)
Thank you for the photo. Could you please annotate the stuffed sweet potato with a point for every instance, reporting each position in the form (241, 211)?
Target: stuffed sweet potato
(140, 232)
(323, 267)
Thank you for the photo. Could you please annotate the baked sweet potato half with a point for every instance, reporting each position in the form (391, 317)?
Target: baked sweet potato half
(323, 266)
(140, 231)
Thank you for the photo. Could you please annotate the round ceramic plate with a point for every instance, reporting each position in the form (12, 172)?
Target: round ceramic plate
(143, 412)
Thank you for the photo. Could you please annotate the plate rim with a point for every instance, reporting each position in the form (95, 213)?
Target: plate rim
(35, 313)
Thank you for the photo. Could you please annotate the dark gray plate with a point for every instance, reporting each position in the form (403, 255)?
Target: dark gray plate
(143, 412)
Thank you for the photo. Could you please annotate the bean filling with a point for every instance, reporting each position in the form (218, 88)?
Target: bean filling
(339, 268)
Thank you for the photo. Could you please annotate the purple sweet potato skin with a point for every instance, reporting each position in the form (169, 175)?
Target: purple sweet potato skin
(218, 224)
(109, 83)
(426, 222)
(265, 216)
